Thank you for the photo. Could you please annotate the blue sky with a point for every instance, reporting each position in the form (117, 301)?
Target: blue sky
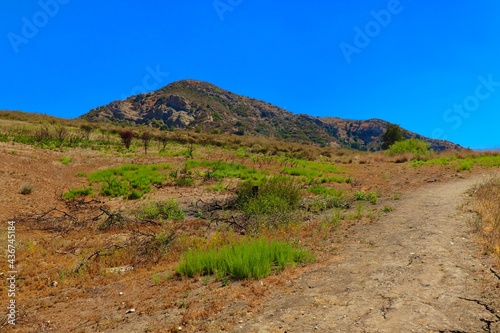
(431, 67)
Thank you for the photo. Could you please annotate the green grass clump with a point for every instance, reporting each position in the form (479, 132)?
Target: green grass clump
(130, 181)
(248, 259)
(465, 165)
(331, 197)
(320, 167)
(322, 190)
(273, 196)
(66, 160)
(313, 172)
(219, 170)
(73, 193)
(387, 209)
(218, 188)
(163, 210)
(418, 147)
(366, 196)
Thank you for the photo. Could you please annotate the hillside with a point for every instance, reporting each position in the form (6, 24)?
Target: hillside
(201, 106)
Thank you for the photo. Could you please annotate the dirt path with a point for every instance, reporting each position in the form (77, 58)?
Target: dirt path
(415, 270)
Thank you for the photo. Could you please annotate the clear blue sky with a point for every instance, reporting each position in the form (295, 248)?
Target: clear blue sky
(432, 67)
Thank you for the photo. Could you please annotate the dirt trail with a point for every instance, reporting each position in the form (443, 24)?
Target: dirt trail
(417, 269)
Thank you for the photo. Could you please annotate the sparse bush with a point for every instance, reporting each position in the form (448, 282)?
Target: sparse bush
(364, 196)
(487, 205)
(26, 189)
(387, 209)
(163, 210)
(43, 134)
(189, 151)
(61, 132)
(87, 130)
(184, 180)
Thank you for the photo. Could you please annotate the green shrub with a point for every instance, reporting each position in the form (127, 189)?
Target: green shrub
(248, 259)
(387, 209)
(465, 165)
(26, 189)
(363, 196)
(271, 196)
(163, 210)
(65, 160)
(418, 147)
(184, 181)
(130, 181)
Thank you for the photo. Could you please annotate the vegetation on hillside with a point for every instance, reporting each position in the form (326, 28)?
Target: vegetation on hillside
(487, 205)
(195, 211)
(393, 133)
(204, 107)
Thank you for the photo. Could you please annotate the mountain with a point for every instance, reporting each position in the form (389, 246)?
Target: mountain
(202, 106)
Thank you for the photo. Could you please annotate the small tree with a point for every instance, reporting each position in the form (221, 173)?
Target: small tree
(146, 139)
(163, 139)
(392, 134)
(126, 136)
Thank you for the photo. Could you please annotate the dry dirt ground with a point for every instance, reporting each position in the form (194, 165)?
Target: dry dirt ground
(416, 270)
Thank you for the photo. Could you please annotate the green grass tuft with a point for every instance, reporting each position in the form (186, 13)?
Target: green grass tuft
(66, 160)
(273, 196)
(248, 259)
(73, 193)
(363, 196)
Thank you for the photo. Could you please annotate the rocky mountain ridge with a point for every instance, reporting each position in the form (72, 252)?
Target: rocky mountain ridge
(202, 106)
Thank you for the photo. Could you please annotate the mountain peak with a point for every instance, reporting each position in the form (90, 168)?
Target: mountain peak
(203, 106)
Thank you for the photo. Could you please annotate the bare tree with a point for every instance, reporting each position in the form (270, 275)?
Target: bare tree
(146, 139)
(163, 139)
(126, 136)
